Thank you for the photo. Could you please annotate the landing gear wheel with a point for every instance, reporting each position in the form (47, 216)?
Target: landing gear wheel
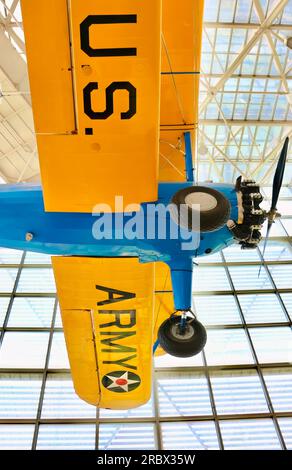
(180, 343)
(214, 208)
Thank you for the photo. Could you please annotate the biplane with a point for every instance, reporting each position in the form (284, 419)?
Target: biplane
(114, 89)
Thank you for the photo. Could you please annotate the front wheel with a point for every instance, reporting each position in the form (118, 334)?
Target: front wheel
(209, 205)
(182, 343)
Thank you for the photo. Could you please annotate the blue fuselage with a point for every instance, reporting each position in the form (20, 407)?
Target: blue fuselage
(72, 234)
(22, 211)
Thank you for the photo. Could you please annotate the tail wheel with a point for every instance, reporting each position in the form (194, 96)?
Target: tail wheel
(213, 212)
(178, 343)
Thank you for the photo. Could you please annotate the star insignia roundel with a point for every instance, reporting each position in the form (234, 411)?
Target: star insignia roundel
(121, 381)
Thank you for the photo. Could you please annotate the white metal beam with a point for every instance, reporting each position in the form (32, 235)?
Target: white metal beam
(223, 154)
(14, 67)
(277, 61)
(248, 122)
(224, 25)
(246, 75)
(244, 52)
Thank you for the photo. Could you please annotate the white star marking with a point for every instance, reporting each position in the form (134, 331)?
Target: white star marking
(125, 377)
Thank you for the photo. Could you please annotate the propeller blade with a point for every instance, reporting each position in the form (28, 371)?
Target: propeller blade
(279, 173)
(277, 184)
(269, 226)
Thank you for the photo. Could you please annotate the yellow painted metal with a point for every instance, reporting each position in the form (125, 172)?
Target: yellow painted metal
(164, 303)
(49, 65)
(108, 332)
(81, 352)
(111, 146)
(181, 52)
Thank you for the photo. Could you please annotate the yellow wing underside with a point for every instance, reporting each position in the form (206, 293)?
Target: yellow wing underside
(110, 318)
(180, 67)
(98, 138)
(105, 91)
(95, 81)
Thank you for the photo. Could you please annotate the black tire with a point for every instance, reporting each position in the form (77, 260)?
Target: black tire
(210, 219)
(178, 345)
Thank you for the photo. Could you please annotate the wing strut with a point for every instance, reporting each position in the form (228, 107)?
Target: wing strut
(189, 156)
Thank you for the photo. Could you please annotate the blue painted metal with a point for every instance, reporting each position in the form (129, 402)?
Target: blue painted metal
(155, 346)
(22, 211)
(181, 278)
(189, 157)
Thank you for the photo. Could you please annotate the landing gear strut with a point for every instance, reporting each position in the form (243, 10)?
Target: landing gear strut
(182, 335)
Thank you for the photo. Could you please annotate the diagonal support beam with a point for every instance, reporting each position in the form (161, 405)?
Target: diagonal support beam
(244, 52)
(225, 157)
(14, 67)
(268, 35)
(271, 155)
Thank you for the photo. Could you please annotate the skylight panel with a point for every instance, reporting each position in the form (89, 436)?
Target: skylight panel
(211, 10)
(243, 11)
(226, 12)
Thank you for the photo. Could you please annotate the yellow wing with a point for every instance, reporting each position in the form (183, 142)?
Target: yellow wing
(107, 307)
(94, 70)
(163, 302)
(181, 53)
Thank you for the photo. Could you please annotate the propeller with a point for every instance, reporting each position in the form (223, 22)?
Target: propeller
(272, 214)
